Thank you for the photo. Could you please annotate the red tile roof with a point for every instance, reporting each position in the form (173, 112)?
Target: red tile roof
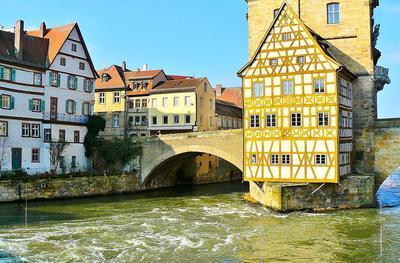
(146, 74)
(116, 78)
(178, 77)
(233, 95)
(178, 85)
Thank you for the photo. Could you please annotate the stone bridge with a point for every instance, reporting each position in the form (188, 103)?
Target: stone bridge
(163, 154)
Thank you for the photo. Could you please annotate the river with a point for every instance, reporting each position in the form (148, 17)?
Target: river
(192, 224)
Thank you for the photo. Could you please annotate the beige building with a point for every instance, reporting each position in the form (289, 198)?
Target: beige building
(229, 116)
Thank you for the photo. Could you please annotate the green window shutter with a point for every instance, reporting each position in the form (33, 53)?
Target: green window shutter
(85, 87)
(74, 107)
(12, 104)
(66, 106)
(83, 108)
(58, 79)
(91, 109)
(50, 78)
(13, 72)
(91, 85)
(69, 82)
(1, 73)
(1, 101)
(30, 104)
(43, 105)
(75, 83)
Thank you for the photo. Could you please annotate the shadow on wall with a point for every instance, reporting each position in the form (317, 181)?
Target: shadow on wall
(388, 194)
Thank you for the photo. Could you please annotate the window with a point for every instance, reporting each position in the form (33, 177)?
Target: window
(286, 36)
(61, 135)
(54, 79)
(102, 97)
(117, 97)
(165, 119)
(130, 121)
(70, 106)
(7, 73)
(144, 103)
(319, 85)
(35, 131)
(296, 119)
(144, 85)
(81, 66)
(176, 101)
(137, 120)
(276, 12)
(187, 101)
(131, 104)
(116, 121)
(73, 47)
(154, 120)
(137, 103)
(165, 102)
(187, 118)
(144, 120)
(274, 159)
(35, 105)
(3, 129)
(63, 62)
(258, 89)
(35, 155)
(154, 103)
(73, 162)
(271, 120)
(176, 119)
(254, 159)
(201, 102)
(6, 102)
(287, 87)
(86, 108)
(104, 78)
(26, 130)
(333, 13)
(320, 159)
(273, 62)
(47, 135)
(135, 86)
(323, 119)
(205, 87)
(76, 137)
(72, 82)
(285, 159)
(37, 79)
(255, 121)
(301, 59)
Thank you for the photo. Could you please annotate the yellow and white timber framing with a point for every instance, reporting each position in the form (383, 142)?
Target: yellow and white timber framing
(289, 51)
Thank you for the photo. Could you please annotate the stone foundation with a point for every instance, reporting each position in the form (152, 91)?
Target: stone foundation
(354, 191)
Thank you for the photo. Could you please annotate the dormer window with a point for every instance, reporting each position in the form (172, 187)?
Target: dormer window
(105, 78)
(144, 85)
(135, 86)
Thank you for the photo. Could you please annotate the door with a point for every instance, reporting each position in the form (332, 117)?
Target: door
(53, 108)
(16, 154)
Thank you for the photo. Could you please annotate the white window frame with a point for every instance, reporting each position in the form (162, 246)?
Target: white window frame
(323, 119)
(26, 130)
(286, 159)
(36, 154)
(176, 119)
(319, 85)
(333, 9)
(296, 119)
(258, 89)
(37, 79)
(102, 98)
(117, 97)
(116, 120)
(274, 159)
(270, 120)
(288, 87)
(320, 159)
(154, 103)
(254, 121)
(35, 130)
(176, 101)
(165, 102)
(36, 105)
(6, 101)
(187, 101)
(3, 128)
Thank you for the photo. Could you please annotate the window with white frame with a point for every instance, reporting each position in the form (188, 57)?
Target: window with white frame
(72, 82)
(255, 121)
(54, 79)
(116, 121)
(323, 119)
(86, 108)
(102, 98)
(35, 130)
(286, 36)
(6, 102)
(3, 128)
(301, 59)
(176, 119)
(286, 159)
(273, 62)
(47, 135)
(165, 102)
(320, 159)
(187, 100)
(117, 97)
(37, 79)
(187, 118)
(35, 155)
(274, 159)
(258, 89)
(137, 103)
(254, 159)
(154, 103)
(271, 120)
(70, 107)
(296, 119)
(333, 10)
(144, 103)
(319, 85)
(26, 130)
(287, 87)
(36, 105)
(176, 101)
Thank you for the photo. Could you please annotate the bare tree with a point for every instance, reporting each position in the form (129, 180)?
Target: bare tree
(4, 152)
(56, 149)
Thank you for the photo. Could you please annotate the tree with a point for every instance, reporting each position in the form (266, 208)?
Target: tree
(4, 152)
(94, 126)
(56, 149)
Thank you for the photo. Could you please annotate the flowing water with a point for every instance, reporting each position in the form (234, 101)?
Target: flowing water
(192, 224)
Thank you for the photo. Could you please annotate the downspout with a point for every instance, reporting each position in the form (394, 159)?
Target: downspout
(299, 7)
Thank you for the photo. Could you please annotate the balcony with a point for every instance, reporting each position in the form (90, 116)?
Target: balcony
(381, 76)
(65, 117)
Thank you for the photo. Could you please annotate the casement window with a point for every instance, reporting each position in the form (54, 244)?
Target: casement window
(319, 85)
(54, 79)
(117, 97)
(35, 155)
(131, 104)
(187, 101)
(137, 120)
(301, 59)
(144, 120)
(165, 102)
(73, 162)
(73, 47)
(287, 87)
(3, 129)
(271, 120)
(165, 119)
(86, 108)
(323, 119)
(70, 106)
(286, 159)
(144, 103)
(187, 118)
(320, 159)
(154, 120)
(254, 159)
(144, 86)
(135, 86)
(254, 121)
(7, 73)
(88, 85)
(104, 78)
(296, 119)
(26, 130)
(333, 13)
(36, 105)
(274, 159)
(137, 103)
(102, 98)
(37, 79)
(116, 121)
(72, 82)
(130, 121)
(61, 135)
(63, 62)
(258, 89)
(276, 12)
(35, 130)
(273, 62)
(47, 135)
(76, 136)
(154, 103)
(176, 101)
(81, 66)
(176, 119)
(7, 102)
(286, 36)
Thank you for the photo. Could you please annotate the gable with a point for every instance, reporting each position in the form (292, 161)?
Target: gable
(286, 42)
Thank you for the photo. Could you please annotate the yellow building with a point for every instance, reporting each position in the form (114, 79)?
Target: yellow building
(182, 106)
(297, 105)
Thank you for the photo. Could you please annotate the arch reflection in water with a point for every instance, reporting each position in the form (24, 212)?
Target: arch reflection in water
(388, 194)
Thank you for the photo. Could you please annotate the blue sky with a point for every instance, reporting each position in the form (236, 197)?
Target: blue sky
(188, 37)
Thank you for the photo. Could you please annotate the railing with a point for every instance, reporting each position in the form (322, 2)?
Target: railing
(381, 75)
(65, 117)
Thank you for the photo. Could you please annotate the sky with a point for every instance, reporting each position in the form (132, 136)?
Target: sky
(187, 37)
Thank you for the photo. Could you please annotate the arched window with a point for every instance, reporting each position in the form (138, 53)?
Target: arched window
(333, 10)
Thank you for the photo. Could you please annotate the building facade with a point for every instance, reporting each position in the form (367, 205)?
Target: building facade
(229, 116)
(46, 79)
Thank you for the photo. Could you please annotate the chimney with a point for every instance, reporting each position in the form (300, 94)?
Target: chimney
(218, 90)
(123, 66)
(145, 67)
(19, 37)
(42, 29)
